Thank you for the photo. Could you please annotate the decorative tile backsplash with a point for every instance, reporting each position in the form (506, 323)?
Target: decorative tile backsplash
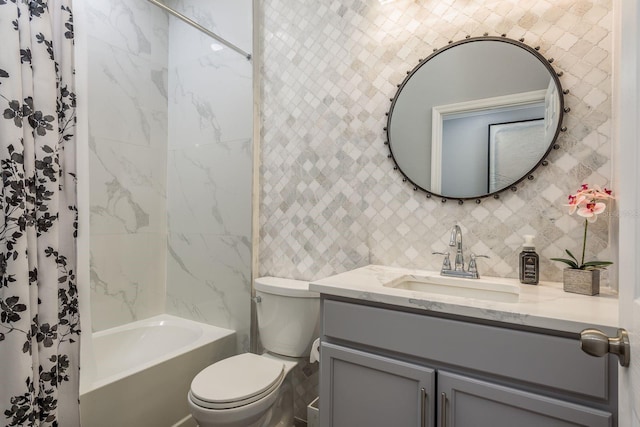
(330, 200)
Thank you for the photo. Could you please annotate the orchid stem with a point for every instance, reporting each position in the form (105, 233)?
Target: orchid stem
(584, 242)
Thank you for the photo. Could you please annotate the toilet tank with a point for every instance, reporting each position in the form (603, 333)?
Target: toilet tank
(288, 315)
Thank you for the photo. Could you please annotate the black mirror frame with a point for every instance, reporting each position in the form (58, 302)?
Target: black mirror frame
(552, 145)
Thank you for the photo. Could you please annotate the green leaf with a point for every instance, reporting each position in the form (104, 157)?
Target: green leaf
(572, 257)
(596, 263)
(570, 263)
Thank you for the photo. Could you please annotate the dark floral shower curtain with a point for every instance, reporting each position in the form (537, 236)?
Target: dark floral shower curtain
(39, 319)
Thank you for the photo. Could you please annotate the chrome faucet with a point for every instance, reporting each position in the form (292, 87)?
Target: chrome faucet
(458, 266)
(456, 240)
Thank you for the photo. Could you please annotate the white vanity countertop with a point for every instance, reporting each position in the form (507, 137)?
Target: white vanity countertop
(544, 305)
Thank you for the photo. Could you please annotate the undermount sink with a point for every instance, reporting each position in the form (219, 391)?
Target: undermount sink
(453, 286)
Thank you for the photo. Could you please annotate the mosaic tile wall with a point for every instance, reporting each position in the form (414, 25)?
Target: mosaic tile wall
(305, 380)
(329, 198)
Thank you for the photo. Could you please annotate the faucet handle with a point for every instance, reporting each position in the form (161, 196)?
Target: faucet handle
(446, 263)
(473, 267)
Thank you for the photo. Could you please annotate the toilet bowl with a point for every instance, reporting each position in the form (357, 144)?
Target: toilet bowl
(239, 391)
(249, 390)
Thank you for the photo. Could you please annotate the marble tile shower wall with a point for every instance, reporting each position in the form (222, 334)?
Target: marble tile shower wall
(170, 136)
(330, 200)
(127, 95)
(210, 167)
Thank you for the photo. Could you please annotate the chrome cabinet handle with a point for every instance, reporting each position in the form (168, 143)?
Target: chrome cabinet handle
(423, 407)
(443, 410)
(596, 343)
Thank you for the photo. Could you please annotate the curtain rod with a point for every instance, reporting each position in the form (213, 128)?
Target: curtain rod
(201, 28)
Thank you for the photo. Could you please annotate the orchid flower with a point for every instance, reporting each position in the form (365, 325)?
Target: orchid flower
(591, 210)
(588, 202)
(575, 200)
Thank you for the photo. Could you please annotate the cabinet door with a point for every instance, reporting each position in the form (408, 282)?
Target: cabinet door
(363, 389)
(467, 402)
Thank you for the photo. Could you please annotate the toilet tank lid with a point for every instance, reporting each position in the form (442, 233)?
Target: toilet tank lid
(284, 287)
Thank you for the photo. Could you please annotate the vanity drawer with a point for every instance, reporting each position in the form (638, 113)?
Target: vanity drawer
(544, 360)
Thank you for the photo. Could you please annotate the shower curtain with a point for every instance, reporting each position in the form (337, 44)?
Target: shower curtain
(39, 320)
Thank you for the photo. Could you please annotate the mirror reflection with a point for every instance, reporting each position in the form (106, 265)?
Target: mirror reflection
(475, 117)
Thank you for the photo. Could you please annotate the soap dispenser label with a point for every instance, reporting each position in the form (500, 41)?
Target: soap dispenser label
(529, 267)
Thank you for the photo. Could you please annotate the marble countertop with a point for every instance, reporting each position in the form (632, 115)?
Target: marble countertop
(544, 305)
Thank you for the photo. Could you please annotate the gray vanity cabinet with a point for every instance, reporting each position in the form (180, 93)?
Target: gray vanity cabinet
(382, 367)
(371, 390)
(469, 402)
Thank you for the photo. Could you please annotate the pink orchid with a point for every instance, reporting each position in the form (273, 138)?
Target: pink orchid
(585, 201)
(588, 202)
(591, 210)
(603, 194)
(574, 202)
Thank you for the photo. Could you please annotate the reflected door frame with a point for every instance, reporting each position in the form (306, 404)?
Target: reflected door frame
(439, 114)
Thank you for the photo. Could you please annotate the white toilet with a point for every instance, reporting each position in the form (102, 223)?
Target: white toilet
(249, 390)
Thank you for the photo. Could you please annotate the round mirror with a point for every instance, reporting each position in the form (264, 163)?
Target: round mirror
(475, 118)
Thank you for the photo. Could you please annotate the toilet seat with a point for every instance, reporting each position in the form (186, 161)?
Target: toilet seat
(236, 381)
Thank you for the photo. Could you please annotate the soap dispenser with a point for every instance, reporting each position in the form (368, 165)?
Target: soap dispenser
(529, 262)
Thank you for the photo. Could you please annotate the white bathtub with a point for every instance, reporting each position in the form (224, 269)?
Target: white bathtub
(142, 371)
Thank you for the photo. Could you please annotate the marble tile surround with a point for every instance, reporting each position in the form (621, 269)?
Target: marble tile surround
(209, 167)
(329, 198)
(170, 163)
(127, 59)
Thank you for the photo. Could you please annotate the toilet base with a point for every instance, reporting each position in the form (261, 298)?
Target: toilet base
(279, 414)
